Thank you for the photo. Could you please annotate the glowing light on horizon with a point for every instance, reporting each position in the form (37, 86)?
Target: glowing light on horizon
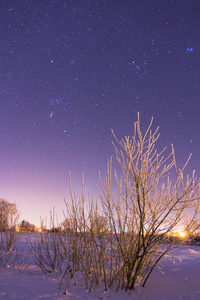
(182, 234)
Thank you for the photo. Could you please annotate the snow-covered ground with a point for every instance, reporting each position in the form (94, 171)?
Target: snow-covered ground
(178, 279)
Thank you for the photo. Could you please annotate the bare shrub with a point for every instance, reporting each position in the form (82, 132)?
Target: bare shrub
(139, 217)
(52, 252)
(147, 207)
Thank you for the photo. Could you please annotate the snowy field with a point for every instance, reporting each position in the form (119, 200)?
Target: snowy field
(178, 279)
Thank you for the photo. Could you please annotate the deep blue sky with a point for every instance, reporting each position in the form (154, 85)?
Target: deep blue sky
(72, 70)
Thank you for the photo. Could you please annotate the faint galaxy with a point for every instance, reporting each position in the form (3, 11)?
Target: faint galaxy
(70, 71)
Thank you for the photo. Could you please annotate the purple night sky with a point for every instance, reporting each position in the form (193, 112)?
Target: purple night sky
(73, 70)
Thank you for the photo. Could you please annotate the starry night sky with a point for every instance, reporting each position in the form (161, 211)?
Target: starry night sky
(70, 71)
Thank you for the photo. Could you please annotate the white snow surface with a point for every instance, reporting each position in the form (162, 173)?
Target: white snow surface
(179, 278)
